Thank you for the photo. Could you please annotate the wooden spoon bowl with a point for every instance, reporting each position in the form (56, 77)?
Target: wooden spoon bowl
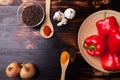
(47, 22)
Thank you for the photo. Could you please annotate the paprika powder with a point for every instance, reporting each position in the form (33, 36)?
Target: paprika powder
(47, 30)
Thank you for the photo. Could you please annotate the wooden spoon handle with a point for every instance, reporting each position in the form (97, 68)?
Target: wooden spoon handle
(63, 72)
(48, 8)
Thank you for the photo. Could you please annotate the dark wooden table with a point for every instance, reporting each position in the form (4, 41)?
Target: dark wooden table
(25, 45)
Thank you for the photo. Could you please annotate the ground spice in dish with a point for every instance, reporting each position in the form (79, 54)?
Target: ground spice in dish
(64, 57)
(47, 30)
(32, 15)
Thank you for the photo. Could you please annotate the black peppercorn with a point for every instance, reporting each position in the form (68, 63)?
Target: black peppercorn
(32, 15)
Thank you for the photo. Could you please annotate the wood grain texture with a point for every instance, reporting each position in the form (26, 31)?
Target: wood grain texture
(23, 44)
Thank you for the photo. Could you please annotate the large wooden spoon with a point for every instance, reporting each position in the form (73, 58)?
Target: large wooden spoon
(47, 22)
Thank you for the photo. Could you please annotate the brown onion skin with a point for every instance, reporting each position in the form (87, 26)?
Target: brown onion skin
(27, 71)
(13, 69)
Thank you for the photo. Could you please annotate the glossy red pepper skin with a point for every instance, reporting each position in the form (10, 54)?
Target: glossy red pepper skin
(114, 41)
(95, 45)
(104, 26)
(110, 61)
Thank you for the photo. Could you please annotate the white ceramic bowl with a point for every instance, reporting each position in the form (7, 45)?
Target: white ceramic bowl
(25, 5)
(88, 28)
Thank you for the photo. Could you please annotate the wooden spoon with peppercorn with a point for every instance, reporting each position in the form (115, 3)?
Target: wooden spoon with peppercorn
(47, 29)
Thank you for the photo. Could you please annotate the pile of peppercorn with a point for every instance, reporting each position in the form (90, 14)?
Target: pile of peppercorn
(32, 15)
(106, 44)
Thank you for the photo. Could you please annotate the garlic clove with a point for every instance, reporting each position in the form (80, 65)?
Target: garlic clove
(64, 21)
(69, 13)
(58, 15)
(60, 24)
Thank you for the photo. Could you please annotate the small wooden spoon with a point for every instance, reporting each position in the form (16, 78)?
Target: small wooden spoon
(64, 60)
(47, 21)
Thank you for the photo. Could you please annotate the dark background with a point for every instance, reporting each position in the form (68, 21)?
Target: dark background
(25, 45)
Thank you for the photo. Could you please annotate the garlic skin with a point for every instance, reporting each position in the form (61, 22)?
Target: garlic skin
(6, 2)
(13, 69)
(70, 13)
(27, 71)
(58, 15)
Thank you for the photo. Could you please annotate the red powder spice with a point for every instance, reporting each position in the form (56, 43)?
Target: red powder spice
(47, 30)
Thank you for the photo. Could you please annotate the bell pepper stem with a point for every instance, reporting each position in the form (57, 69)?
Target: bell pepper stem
(90, 47)
(105, 14)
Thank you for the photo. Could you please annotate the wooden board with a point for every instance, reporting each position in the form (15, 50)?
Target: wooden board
(24, 45)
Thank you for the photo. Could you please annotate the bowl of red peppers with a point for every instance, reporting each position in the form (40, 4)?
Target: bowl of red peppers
(99, 40)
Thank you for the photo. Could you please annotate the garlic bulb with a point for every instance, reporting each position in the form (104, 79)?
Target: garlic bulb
(13, 69)
(70, 13)
(58, 15)
(27, 71)
(6, 2)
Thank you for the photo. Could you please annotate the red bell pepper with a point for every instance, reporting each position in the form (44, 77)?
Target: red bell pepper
(104, 26)
(114, 41)
(110, 61)
(95, 45)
